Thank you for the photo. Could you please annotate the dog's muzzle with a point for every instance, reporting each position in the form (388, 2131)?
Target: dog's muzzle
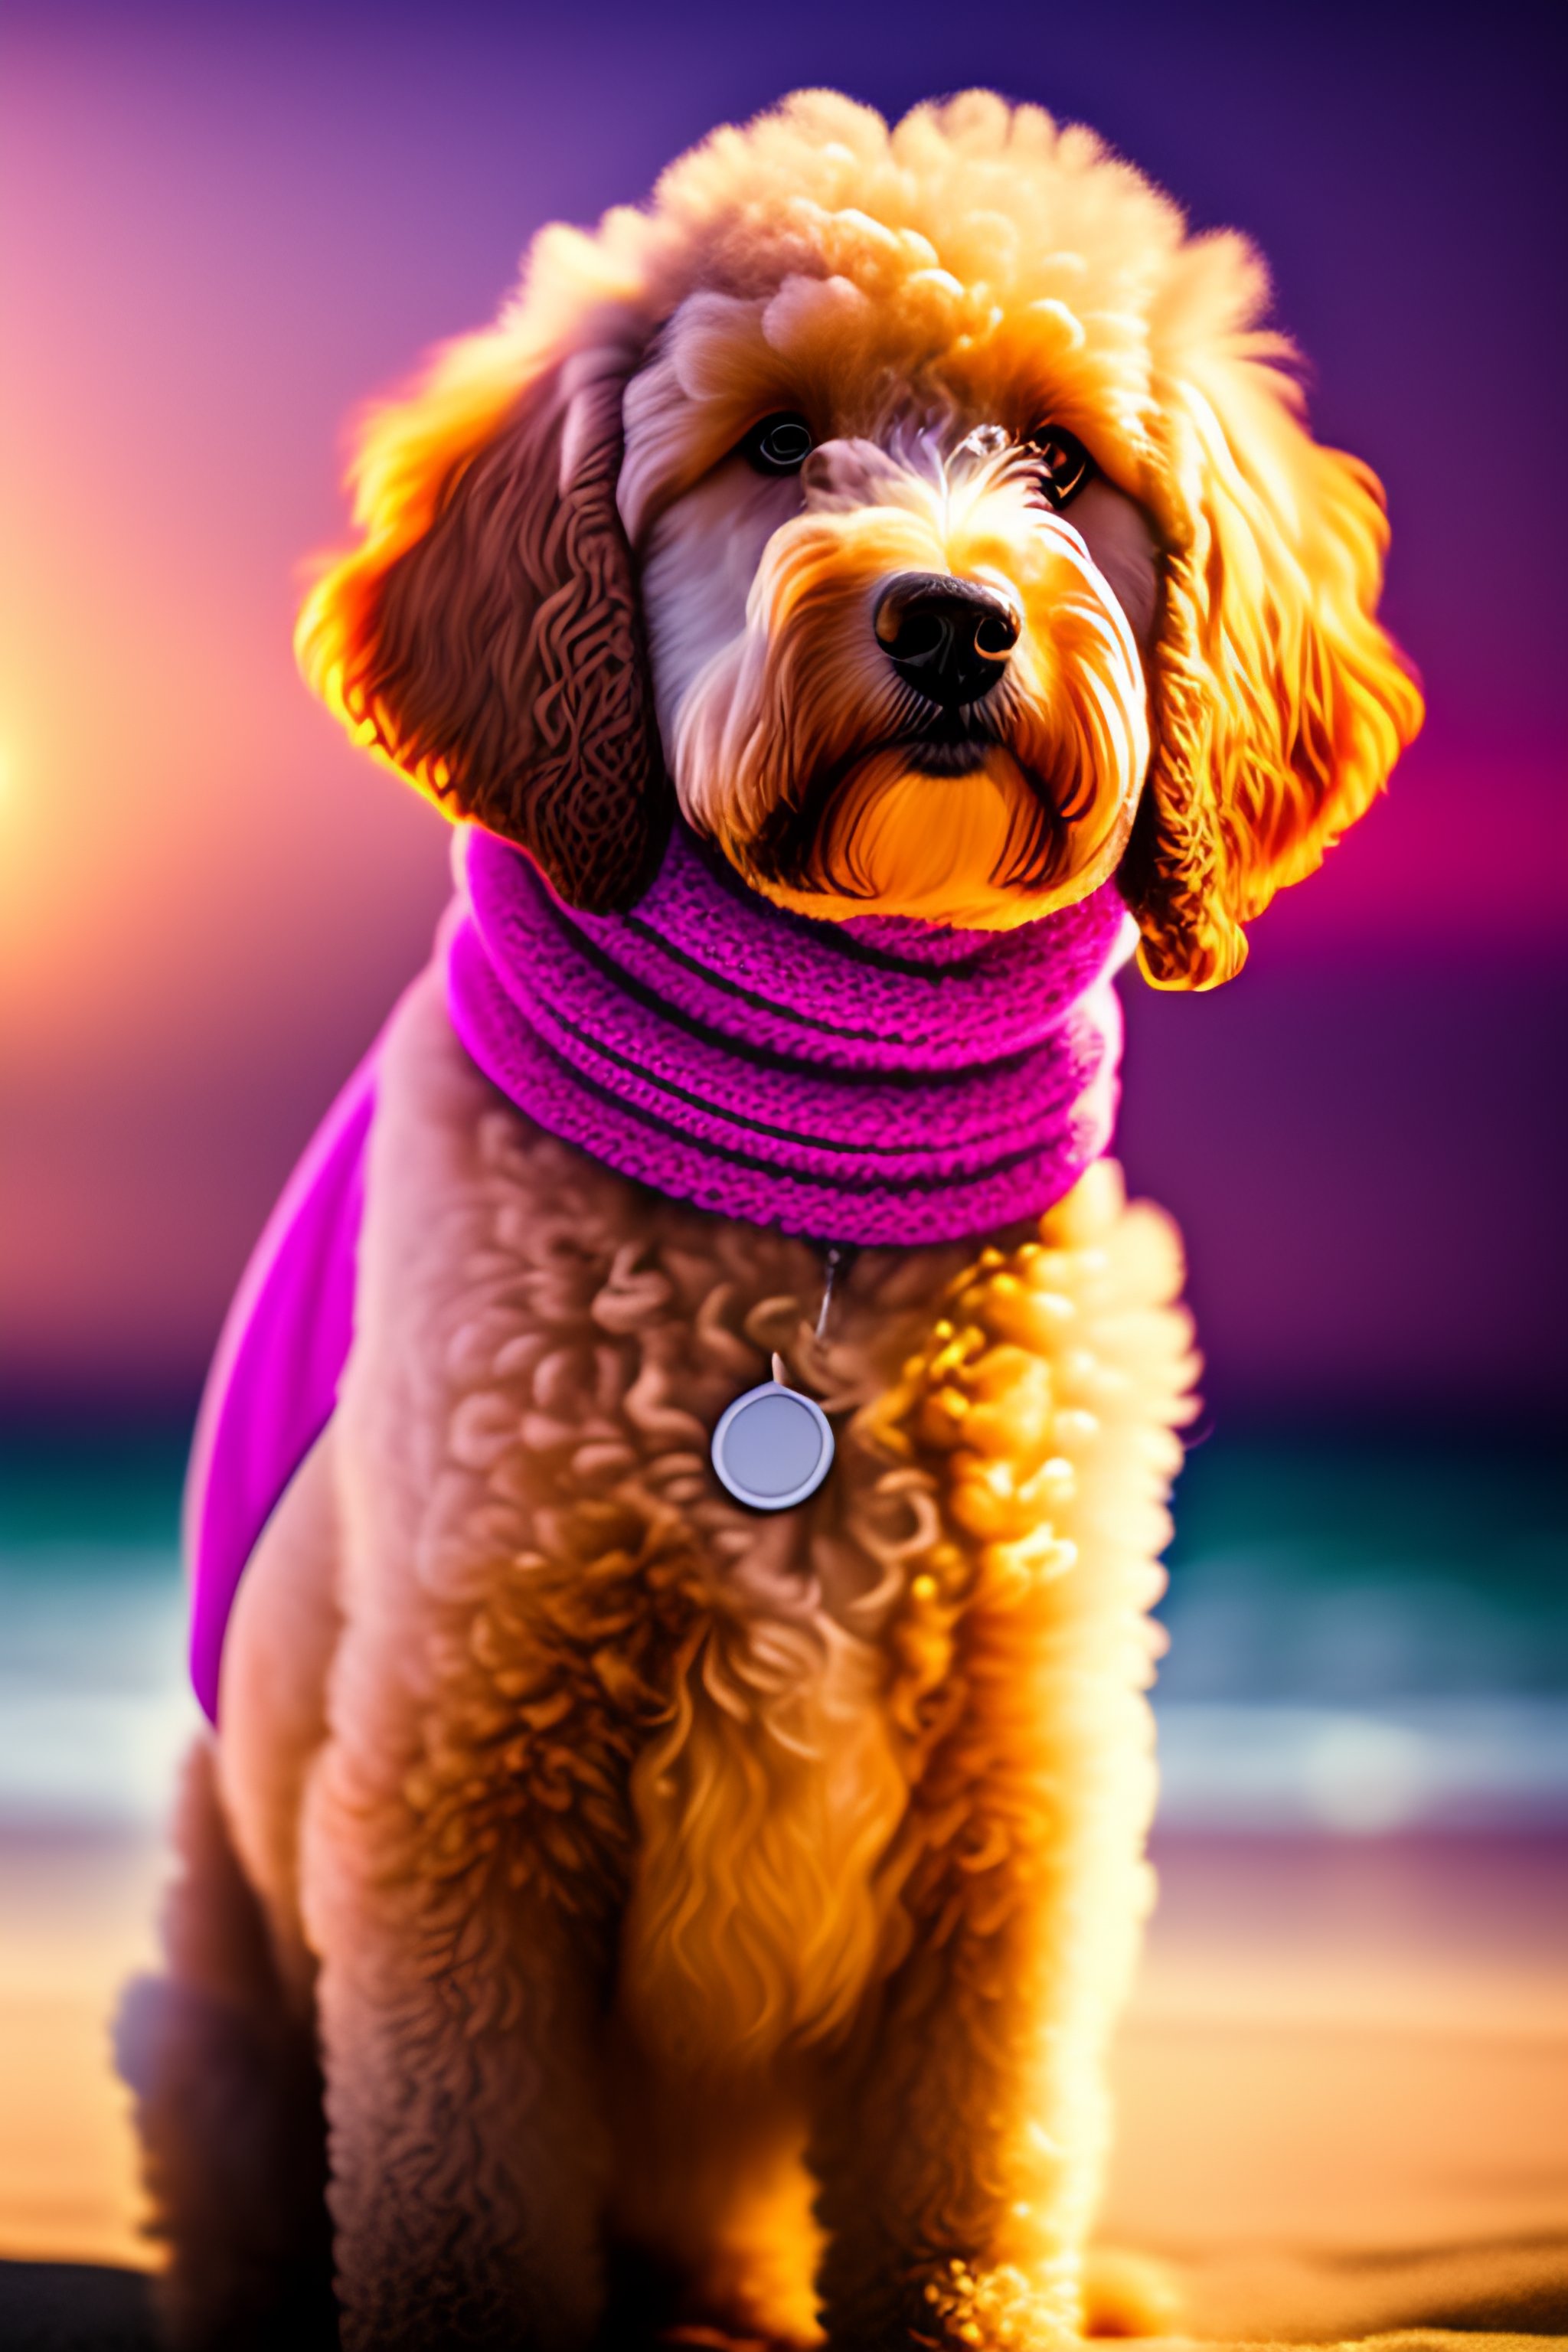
(949, 640)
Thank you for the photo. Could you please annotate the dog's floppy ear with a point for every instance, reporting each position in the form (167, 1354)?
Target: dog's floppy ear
(485, 636)
(1280, 704)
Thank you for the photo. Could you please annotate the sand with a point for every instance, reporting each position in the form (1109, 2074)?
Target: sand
(76, 1920)
(1342, 2085)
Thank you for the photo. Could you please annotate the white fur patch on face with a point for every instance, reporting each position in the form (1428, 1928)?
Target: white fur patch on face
(697, 571)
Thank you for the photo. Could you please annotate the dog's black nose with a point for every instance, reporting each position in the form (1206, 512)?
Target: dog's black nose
(948, 638)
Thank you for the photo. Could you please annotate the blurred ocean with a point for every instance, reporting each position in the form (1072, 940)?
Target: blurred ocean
(1365, 1636)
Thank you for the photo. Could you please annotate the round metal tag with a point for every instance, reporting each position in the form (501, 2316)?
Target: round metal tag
(773, 1447)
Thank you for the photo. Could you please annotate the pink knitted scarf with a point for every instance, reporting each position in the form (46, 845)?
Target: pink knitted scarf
(874, 1081)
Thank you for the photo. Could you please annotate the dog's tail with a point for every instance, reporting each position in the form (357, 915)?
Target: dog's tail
(228, 2108)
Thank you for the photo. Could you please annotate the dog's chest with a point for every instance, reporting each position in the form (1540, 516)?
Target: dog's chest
(698, 1727)
(766, 1810)
(682, 1704)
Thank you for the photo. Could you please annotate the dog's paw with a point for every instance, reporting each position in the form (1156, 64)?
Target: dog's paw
(968, 2308)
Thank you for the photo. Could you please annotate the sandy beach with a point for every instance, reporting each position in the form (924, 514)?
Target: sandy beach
(1342, 2083)
(1343, 2086)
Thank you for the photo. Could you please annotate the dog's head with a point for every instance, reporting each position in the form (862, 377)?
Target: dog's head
(921, 510)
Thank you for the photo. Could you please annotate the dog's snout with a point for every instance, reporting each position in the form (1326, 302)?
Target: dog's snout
(948, 638)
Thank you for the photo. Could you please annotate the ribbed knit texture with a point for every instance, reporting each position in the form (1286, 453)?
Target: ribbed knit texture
(874, 1081)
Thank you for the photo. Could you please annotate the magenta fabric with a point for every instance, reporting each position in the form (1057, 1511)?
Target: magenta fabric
(876, 1081)
(274, 1377)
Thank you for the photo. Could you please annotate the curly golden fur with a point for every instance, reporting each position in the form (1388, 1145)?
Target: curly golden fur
(975, 265)
(738, 1909)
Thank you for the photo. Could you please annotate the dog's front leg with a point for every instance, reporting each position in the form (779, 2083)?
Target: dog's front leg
(460, 2051)
(960, 2137)
(961, 2146)
(957, 2176)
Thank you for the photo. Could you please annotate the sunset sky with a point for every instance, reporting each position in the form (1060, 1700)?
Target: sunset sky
(222, 230)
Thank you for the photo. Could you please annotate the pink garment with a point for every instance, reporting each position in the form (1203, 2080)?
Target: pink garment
(877, 1081)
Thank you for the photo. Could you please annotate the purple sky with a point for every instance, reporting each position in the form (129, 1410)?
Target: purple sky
(224, 230)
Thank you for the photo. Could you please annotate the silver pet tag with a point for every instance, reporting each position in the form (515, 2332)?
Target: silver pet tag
(772, 1446)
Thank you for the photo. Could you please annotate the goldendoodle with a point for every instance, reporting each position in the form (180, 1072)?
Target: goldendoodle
(851, 602)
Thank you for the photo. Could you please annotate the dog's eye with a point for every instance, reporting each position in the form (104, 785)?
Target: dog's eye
(779, 445)
(1064, 465)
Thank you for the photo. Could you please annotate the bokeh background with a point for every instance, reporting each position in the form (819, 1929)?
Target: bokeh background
(223, 230)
